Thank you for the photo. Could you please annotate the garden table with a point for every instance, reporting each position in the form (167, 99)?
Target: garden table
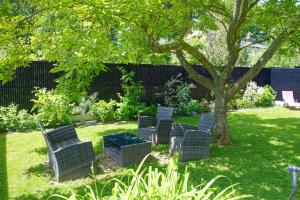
(126, 148)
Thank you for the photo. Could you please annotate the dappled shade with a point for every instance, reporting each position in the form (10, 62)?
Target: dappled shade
(264, 143)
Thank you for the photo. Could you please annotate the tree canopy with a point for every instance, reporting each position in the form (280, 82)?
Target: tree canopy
(81, 35)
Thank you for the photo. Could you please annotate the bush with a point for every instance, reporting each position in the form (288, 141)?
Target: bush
(53, 108)
(149, 110)
(85, 109)
(177, 95)
(239, 102)
(130, 105)
(105, 111)
(253, 96)
(151, 184)
(267, 97)
(14, 120)
(190, 108)
(252, 92)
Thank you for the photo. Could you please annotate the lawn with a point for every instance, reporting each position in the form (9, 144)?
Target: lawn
(264, 143)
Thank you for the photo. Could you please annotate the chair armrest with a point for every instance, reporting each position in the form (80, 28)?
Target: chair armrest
(178, 129)
(74, 154)
(196, 138)
(146, 121)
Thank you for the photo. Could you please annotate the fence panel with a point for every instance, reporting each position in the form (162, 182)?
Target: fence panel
(286, 79)
(107, 84)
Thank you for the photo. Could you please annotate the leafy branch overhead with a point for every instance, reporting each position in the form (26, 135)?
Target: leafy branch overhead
(243, 15)
(81, 35)
(168, 28)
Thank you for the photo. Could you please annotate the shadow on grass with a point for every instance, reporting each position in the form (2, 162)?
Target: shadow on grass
(3, 169)
(104, 181)
(260, 152)
(258, 157)
(65, 191)
(38, 170)
(41, 150)
(104, 184)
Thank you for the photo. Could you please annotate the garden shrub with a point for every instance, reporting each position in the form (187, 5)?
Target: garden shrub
(105, 111)
(253, 96)
(53, 108)
(14, 120)
(236, 101)
(130, 105)
(149, 110)
(85, 109)
(258, 96)
(151, 183)
(267, 97)
(177, 95)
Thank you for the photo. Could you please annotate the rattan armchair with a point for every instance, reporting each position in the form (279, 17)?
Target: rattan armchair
(191, 142)
(69, 158)
(157, 129)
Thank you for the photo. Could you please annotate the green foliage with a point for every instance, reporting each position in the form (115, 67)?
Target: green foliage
(130, 105)
(150, 183)
(85, 109)
(253, 96)
(149, 110)
(52, 107)
(267, 97)
(14, 120)
(235, 102)
(177, 95)
(15, 48)
(105, 111)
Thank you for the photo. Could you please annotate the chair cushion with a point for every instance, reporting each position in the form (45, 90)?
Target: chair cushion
(176, 144)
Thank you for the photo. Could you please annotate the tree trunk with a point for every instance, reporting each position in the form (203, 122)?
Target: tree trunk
(221, 126)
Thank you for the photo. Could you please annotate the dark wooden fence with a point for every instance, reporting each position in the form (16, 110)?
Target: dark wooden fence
(286, 79)
(107, 84)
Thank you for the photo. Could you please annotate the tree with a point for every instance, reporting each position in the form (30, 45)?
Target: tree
(81, 35)
(165, 25)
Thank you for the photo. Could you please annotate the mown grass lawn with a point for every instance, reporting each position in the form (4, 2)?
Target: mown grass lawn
(264, 143)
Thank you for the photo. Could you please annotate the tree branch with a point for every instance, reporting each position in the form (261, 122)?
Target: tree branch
(236, 11)
(163, 48)
(219, 20)
(158, 48)
(252, 4)
(241, 9)
(265, 57)
(253, 43)
(200, 57)
(193, 74)
(214, 6)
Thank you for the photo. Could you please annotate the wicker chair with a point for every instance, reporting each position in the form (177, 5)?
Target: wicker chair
(69, 158)
(191, 142)
(207, 121)
(156, 130)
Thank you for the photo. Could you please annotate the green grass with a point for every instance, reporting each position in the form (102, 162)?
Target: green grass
(264, 143)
